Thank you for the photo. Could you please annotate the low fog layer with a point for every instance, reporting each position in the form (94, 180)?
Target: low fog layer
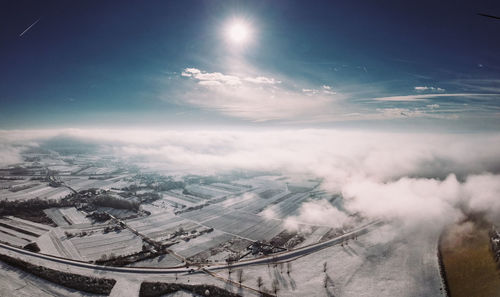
(422, 181)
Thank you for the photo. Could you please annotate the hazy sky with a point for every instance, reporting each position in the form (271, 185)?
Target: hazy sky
(392, 64)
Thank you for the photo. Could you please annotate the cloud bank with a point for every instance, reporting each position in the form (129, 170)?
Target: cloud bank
(417, 179)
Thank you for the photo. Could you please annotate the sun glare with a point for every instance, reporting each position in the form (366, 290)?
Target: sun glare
(238, 32)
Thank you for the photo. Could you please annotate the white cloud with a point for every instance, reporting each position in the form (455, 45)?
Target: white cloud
(262, 80)
(9, 154)
(413, 201)
(416, 179)
(324, 90)
(258, 98)
(212, 78)
(393, 113)
(217, 78)
(310, 91)
(427, 88)
(318, 212)
(482, 194)
(210, 83)
(269, 214)
(426, 97)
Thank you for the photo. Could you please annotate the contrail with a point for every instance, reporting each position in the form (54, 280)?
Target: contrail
(489, 16)
(27, 29)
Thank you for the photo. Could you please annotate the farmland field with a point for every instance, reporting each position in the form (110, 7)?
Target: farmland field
(235, 222)
(120, 243)
(42, 191)
(66, 216)
(19, 232)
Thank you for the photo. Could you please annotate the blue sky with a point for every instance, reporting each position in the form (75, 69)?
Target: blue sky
(383, 64)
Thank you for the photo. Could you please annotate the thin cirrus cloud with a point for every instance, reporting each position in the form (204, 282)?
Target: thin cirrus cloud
(426, 97)
(255, 98)
(427, 88)
(261, 98)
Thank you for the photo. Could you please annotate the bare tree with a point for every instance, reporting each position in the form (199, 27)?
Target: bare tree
(259, 282)
(229, 266)
(288, 267)
(325, 280)
(276, 287)
(324, 267)
(240, 276)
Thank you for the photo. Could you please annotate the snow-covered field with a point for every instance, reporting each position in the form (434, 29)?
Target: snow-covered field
(83, 183)
(42, 191)
(235, 222)
(96, 170)
(19, 232)
(91, 246)
(228, 187)
(204, 191)
(200, 243)
(15, 282)
(161, 226)
(120, 243)
(64, 169)
(287, 206)
(383, 262)
(66, 216)
(188, 198)
(161, 261)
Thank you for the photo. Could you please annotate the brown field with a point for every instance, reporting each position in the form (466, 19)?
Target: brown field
(470, 268)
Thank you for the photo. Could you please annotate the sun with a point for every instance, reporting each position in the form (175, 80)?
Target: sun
(238, 32)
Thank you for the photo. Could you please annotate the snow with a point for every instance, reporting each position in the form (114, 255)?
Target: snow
(383, 262)
(200, 243)
(125, 287)
(314, 237)
(70, 213)
(242, 224)
(15, 282)
(12, 239)
(206, 191)
(161, 261)
(92, 247)
(42, 191)
(380, 263)
(28, 226)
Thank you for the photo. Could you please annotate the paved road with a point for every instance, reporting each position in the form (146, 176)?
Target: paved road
(283, 256)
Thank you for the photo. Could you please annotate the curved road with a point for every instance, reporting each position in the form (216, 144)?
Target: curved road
(282, 256)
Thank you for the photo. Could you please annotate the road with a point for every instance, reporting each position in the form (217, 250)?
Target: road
(277, 257)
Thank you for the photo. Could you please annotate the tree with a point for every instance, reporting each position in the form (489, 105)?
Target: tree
(325, 280)
(324, 267)
(276, 287)
(240, 276)
(259, 282)
(229, 266)
(288, 267)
